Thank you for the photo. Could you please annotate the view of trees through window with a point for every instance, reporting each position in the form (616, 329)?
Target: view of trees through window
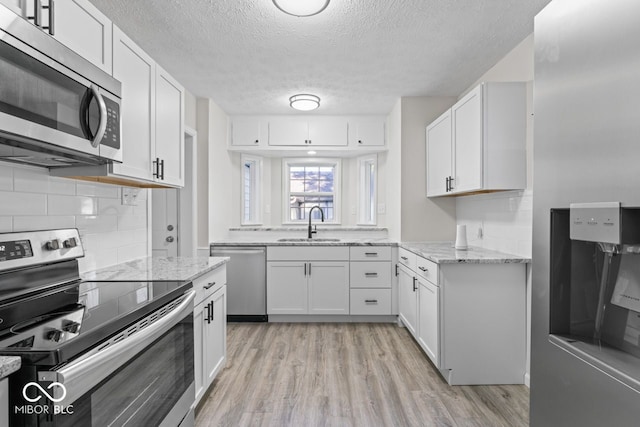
(311, 185)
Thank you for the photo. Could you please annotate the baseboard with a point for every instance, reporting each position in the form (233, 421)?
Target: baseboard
(310, 318)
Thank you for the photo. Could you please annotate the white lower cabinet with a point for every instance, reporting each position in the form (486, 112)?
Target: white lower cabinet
(429, 323)
(310, 287)
(209, 327)
(408, 299)
(469, 318)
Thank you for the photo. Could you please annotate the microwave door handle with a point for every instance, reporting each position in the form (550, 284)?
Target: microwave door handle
(102, 127)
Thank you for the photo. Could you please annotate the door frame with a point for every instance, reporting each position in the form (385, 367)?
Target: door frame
(187, 234)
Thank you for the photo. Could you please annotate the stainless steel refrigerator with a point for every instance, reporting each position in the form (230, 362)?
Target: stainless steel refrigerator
(585, 357)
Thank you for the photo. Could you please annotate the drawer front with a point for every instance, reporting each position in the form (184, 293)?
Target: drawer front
(371, 253)
(370, 301)
(407, 258)
(307, 253)
(427, 269)
(209, 282)
(370, 274)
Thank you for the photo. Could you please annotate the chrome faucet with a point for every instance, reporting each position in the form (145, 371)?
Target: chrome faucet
(312, 231)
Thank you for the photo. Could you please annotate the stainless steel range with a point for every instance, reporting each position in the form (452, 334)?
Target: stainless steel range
(93, 353)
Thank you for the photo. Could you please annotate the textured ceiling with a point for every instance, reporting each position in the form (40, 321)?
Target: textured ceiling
(359, 56)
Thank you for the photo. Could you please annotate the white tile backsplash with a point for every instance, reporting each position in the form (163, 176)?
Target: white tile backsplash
(6, 179)
(111, 233)
(505, 219)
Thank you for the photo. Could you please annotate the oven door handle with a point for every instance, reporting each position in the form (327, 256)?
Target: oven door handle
(79, 377)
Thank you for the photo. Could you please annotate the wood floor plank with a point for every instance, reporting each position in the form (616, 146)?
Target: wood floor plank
(346, 375)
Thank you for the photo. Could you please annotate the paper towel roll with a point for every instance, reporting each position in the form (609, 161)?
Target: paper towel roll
(461, 237)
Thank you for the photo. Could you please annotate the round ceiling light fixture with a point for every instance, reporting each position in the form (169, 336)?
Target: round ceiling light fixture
(304, 102)
(301, 8)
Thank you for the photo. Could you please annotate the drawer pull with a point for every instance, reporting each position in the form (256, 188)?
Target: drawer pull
(371, 274)
(371, 301)
(404, 258)
(371, 253)
(209, 285)
(424, 269)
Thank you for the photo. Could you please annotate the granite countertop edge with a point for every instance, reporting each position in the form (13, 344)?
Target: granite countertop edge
(346, 242)
(9, 365)
(157, 268)
(445, 253)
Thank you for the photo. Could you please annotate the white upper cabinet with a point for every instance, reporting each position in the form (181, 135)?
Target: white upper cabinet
(77, 24)
(136, 71)
(320, 131)
(487, 134)
(367, 132)
(466, 119)
(245, 131)
(439, 155)
(169, 122)
(85, 30)
(152, 116)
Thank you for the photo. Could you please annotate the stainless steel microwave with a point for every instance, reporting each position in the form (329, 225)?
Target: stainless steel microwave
(56, 108)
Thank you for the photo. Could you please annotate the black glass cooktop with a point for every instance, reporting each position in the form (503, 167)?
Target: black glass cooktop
(82, 315)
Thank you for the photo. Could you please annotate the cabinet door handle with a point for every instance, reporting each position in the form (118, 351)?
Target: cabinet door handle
(371, 274)
(213, 311)
(371, 301)
(257, 141)
(451, 187)
(162, 169)
(423, 269)
(371, 253)
(51, 8)
(156, 168)
(209, 285)
(309, 269)
(414, 284)
(404, 258)
(208, 319)
(305, 269)
(37, 13)
(359, 141)
(397, 270)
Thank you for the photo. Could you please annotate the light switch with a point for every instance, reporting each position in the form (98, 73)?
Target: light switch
(382, 208)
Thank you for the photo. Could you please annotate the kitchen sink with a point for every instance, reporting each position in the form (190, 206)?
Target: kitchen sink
(304, 239)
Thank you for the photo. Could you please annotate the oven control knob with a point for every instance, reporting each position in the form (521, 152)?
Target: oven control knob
(53, 245)
(70, 243)
(54, 335)
(72, 327)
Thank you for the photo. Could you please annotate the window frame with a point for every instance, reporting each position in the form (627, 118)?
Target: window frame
(306, 161)
(256, 184)
(367, 211)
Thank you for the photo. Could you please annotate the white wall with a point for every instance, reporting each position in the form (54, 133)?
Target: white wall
(505, 217)
(392, 163)
(111, 233)
(423, 219)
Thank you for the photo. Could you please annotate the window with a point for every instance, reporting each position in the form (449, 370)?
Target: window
(308, 183)
(251, 190)
(367, 189)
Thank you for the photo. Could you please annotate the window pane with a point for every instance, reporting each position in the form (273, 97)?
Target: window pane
(312, 172)
(326, 173)
(296, 172)
(311, 186)
(301, 205)
(296, 186)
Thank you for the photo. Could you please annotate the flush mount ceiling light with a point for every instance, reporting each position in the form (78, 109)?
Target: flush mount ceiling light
(304, 102)
(301, 8)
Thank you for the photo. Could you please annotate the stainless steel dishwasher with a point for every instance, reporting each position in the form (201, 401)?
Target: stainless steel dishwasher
(246, 282)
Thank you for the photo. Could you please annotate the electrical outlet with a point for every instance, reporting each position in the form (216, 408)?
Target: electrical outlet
(480, 233)
(130, 196)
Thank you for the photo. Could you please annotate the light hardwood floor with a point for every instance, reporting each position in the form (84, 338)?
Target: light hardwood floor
(305, 374)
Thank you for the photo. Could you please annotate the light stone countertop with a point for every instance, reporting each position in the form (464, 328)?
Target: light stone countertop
(158, 268)
(320, 226)
(9, 365)
(444, 253)
(316, 241)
